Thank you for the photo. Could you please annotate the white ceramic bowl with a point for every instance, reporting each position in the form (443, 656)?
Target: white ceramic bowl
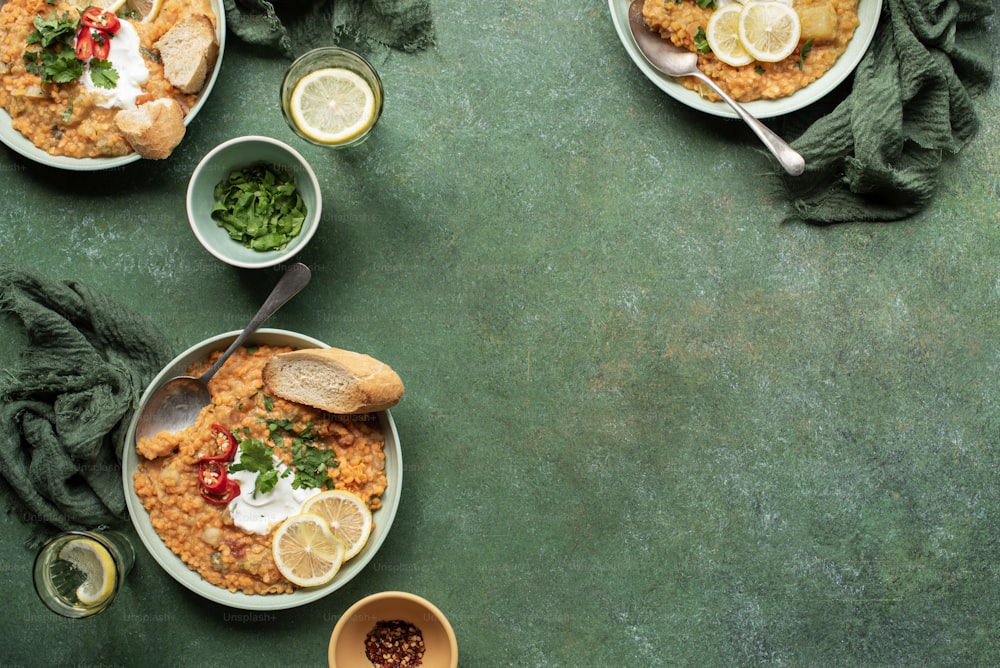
(869, 12)
(173, 564)
(20, 144)
(238, 153)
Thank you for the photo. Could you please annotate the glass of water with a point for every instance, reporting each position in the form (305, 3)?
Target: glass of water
(78, 573)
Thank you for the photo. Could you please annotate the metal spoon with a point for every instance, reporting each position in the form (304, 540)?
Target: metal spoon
(176, 404)
(677, 62)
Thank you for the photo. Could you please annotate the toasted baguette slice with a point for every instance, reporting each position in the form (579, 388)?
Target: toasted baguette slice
(188, 51)
(153, 129)
(334, 380)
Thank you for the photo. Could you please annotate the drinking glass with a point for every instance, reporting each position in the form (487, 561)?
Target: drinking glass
(78, 573)
(331, 58)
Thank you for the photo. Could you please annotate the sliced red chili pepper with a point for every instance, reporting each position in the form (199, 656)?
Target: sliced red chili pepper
(95, 17)
(84, 44)
(231, 492)
(226, 442)
(212, 475)
(102, 44)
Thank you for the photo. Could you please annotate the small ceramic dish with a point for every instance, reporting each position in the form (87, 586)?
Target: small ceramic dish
(239, 153)
(173, 564)
(347, 642)
(18, 143)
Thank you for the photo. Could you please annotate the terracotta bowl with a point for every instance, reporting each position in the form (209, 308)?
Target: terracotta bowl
(347, 643)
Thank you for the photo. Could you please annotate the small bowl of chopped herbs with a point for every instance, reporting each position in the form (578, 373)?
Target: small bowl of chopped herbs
(254, 202)
(393, 628)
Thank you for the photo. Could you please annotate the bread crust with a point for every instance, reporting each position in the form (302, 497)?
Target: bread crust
(334, 380)
(153, 129)
(188, 51)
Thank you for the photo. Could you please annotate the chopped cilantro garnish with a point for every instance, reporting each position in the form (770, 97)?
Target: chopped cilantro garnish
(806, 48)
(701, 41)
(55, 60)
(103, 74)
(259, 207)
(312, 466)
(255, 457)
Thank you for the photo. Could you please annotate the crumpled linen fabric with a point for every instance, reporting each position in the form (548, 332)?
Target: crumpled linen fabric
(878, 155)
(66, 402)
(294, 28)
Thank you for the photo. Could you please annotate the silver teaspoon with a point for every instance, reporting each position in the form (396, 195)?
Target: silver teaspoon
(176, 404)
(676, 62)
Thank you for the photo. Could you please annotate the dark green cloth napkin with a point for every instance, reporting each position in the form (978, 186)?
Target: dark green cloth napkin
(877, 156)
(405, 25)
(65, 405)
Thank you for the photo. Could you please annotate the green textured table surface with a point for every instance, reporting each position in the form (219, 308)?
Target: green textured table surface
(646, 423)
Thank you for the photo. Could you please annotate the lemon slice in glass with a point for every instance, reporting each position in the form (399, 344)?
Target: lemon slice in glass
(333, 105)
(349, 518)
(97, 565)
(769, 30)
(306, 552)
(723, 36)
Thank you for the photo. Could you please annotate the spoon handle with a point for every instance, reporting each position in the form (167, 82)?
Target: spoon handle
(290, 284)
(790, 160)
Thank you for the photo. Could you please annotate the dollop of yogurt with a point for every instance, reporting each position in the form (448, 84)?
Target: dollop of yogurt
(262, 513)
(125, 56)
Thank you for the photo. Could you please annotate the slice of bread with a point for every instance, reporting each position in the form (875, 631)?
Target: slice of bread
(153, 129)
(188, 51)
(334, 380)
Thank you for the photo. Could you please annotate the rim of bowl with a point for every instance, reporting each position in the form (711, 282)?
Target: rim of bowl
(172, 565)
(22, 146)
(270, 258)
(352, 611)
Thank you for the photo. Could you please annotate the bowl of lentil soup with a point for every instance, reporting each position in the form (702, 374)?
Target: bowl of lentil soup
(159, 524)
(13, 30)
(393, 628)
(868, 14)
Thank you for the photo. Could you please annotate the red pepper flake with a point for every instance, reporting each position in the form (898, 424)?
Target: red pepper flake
(394, 644)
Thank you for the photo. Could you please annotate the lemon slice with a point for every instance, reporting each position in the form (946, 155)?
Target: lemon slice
(97, 565)
(769, 30)
(333, 105)
(306, 552)
(349, 518)
(107, 5)
(723, 35)
(145, 10)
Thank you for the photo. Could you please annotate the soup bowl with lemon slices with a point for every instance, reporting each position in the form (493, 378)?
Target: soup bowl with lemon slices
(773, 56)
(332, 97)
(262, 504)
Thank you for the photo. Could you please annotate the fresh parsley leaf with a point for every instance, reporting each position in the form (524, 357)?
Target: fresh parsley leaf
(54, 60)
(255, 457)
(53, 30)
(312, 466)
(103, 74)
(706, 4)
(806, 48)
(701, 41)
(259, 207)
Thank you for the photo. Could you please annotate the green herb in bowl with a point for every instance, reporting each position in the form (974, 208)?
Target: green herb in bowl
(260, 207)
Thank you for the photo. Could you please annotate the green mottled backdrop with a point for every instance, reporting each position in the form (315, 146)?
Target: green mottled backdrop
(646, 422)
